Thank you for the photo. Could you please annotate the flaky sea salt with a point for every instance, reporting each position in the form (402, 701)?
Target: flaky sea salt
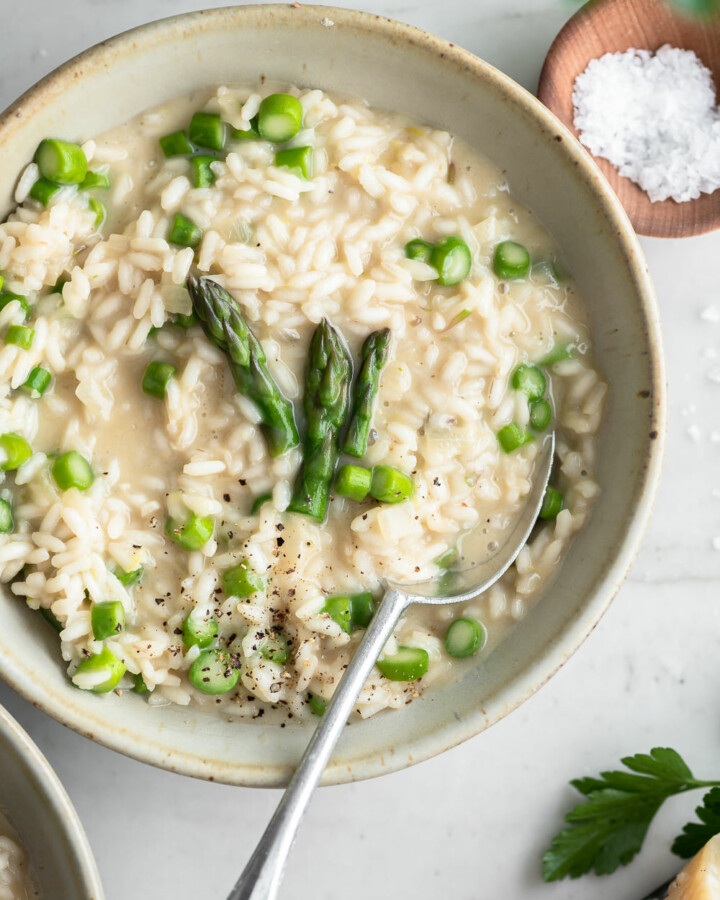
(710, 314)
(654, 117)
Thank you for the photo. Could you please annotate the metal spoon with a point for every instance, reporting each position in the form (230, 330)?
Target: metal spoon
(263, 874)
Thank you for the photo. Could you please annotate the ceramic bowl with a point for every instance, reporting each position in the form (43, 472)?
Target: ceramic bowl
(399, 67)
(45, 820)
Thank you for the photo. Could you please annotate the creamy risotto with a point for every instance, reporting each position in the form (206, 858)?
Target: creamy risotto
(264, 349)
(16, 881)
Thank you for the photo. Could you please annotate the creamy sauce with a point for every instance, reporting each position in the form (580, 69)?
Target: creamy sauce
(16, 880)
(335, 250)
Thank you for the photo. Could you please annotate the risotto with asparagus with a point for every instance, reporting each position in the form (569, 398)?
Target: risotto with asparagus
(264, 350)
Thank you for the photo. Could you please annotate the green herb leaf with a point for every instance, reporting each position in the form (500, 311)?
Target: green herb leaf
(703, 9)
(662, 763)
(603, 841)
(587, 785)
(609, 826)
(695, 835)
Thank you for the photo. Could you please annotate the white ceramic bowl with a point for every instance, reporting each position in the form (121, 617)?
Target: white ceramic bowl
(399, 67)
(44, 818)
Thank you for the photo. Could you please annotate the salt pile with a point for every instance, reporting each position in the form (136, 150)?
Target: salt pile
(654, 117)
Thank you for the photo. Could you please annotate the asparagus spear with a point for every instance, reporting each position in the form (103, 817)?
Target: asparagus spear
(225, 326)
(374, 356)
(327, 400)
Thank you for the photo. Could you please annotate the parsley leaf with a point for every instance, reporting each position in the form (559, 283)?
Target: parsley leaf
(695, 835)
(608, 827)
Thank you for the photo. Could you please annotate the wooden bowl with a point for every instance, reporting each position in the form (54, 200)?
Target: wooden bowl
(608, 26)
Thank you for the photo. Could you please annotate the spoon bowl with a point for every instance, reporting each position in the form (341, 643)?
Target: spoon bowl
(611, 26)
(264, 871)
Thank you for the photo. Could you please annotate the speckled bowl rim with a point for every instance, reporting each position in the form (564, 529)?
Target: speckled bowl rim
(40, 772)
(535, 674)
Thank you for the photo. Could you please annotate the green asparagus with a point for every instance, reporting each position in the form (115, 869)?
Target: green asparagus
(327, 401)
(374, 356)
(225, 327)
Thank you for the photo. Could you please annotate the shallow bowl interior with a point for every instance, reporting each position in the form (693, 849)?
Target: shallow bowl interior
(392, 66)
(46, 822)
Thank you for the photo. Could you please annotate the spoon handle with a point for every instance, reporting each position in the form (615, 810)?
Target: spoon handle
(264, 871)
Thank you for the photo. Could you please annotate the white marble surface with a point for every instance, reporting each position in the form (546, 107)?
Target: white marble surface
(473, 822)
